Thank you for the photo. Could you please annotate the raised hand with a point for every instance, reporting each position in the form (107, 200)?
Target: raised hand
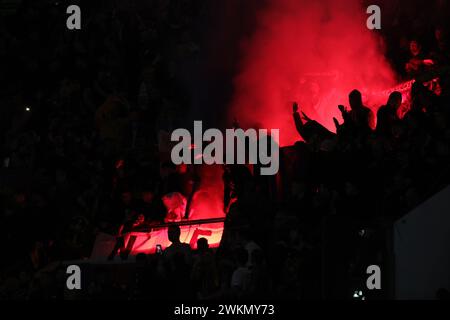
(295, 107)
(336, 123)
(305, 117)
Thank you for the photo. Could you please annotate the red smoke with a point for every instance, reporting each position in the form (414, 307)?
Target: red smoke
(314, 52)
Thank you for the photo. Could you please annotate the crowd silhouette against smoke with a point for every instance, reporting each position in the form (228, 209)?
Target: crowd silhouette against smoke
(311, 51)
(86, 116)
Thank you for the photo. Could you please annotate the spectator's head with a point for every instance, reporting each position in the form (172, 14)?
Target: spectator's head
(140, 219)
(182, 168)
(439, 34)
(395, 100)
(355, 99)
(202, 245)
(414, 47)
(174, 232)
(127, 196)
(147, 196)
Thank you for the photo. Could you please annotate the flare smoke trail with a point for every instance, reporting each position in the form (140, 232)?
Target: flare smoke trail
(313, 52)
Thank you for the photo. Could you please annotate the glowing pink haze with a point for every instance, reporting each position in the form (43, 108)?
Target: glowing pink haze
(313, 52)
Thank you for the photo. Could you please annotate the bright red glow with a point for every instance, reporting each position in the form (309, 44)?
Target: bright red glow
(313, 52)
(146, 242)
(207, 203)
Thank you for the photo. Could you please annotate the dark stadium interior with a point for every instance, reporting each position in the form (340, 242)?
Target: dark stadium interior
(86, 174)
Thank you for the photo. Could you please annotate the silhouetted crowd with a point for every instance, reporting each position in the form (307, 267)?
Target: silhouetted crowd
(84, 120)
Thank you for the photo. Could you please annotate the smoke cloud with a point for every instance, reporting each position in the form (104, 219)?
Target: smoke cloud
(313, 52)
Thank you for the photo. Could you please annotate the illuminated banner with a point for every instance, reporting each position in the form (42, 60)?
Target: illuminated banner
(146, 241)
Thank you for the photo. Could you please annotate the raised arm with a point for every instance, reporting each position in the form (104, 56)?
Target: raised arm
(297, 119)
